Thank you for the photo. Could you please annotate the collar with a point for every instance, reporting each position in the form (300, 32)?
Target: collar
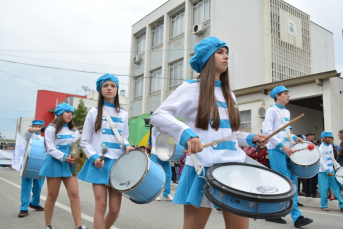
(325, 144)
(279, 106)
(218, 83)
(109, 104)
(37, 133)
(65, 125)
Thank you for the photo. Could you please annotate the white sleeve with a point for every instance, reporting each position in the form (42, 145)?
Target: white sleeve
(76, 135)
(28, 135)
(50, 144)
(322, 163)
(87, 132)
(125, 133)
(267, 127)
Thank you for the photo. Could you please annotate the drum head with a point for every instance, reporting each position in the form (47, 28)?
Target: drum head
(25, 157)
(306, 156)
(165, 147)
(339, 173)
(129, 170)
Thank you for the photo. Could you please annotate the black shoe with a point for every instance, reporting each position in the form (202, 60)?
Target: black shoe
(23, 213)
(300, 204)
(302, 221)
(48, 227)
(277, 220)
(313, 195)
(307, 195)
(37, 208)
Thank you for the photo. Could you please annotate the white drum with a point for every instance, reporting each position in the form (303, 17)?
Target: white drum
(305, 161)
(339, 175)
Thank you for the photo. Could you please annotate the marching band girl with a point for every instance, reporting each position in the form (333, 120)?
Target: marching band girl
(209, 112)
(97, 135)
(58, 138)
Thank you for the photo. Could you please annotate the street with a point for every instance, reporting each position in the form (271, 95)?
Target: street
(158, 214)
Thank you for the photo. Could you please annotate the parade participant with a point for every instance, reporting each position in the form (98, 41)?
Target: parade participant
(98, 135)
(326, 175)
(279, 147)
(310, 184)
(28, 184)
(209, 112)
(58, 137)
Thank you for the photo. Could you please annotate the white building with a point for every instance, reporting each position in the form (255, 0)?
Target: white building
(270, 43)
(22, 124)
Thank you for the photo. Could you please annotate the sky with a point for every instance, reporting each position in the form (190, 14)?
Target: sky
(88, 36)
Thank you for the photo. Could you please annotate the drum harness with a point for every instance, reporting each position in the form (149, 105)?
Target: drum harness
(287, 128)
(335, 164)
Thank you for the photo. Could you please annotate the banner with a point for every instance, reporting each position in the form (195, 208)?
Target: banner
(6, 157)
(19, 149)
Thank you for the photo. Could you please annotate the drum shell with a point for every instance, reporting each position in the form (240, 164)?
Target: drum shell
(178, 152)
(339, 172)
(302, 170)
(36, 155)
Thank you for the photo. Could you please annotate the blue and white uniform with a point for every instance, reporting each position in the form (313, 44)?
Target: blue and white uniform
(58, 149)
(184, 102)
(28, 184)
(92, 143)
(325, 181)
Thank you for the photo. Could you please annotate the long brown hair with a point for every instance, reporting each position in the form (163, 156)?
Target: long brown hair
(101, 100)
(207, 105)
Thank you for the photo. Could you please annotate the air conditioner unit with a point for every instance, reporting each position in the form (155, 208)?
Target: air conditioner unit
(137, 59)
(262, 112)
(199, 29)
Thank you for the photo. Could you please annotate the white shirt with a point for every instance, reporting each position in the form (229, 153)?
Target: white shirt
(28, 135)
(64, 138)
(183, 102)
(326, 164)
(92, 143)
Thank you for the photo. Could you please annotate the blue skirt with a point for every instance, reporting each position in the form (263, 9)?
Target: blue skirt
(190, 190)
(54, 168)
(89, 173)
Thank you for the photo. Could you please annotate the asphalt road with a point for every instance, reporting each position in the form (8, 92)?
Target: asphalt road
(158, 214)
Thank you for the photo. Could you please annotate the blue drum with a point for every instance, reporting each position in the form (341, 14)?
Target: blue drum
(305, 161)
(167, 149)
(249, 190)
(137, 177)
(35, 154)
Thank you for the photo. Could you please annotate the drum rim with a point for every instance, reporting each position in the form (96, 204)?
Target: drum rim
(266, 198)
(142, 178)
(249, 214)
(173, 150)
(336, 174)
(306, 165)
(26, 157)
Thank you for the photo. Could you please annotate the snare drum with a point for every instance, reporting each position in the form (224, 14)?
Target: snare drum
(339, 175)
(33, 160)
(167, 149)
(249, 190)
(305, 163)
(137, 177)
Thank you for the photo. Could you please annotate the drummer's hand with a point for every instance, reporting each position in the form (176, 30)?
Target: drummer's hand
(259, 139)
(299, 140)
(194, 145)
(330, 174)
(70, 160)
(287, 150)
(129, 148)
(99, 163)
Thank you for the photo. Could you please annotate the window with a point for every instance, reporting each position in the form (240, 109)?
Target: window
(245, 121)
(176, 76)
(178, 24)
(201, 11)
(138, 88)
(157, 36)
(155, 82)
(141, 44)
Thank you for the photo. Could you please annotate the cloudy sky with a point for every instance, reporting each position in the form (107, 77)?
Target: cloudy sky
(87, 36)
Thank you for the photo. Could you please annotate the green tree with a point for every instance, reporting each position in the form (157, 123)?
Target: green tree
(80, 114)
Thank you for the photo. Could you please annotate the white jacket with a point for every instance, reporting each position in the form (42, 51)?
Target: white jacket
(28, 135)
(326, 164)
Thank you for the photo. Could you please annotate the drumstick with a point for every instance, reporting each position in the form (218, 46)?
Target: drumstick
(212, 143)
(284, 126)
(104, 151)
(310, 147)
(338, 176)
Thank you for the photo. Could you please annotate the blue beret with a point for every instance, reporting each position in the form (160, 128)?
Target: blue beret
(326, 134)
(290, 127)
(63, 107)
(104, 78)
(38, 122)
(203, 52)
(277, 90)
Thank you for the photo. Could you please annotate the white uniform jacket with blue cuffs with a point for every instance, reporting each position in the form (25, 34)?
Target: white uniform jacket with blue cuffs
(326, 163)
(272, 122)
(183, 102)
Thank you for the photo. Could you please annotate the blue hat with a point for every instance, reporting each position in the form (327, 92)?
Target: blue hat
(38, 122)
(63, 107)
(277, 90)
(203, 52)
(326, 134)
(290, 127)
(104, 78)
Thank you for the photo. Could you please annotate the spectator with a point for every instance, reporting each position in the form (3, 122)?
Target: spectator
(182, 163)
(249, 150)
(142, 148)
(148, 150)
(135, 146)
(260, 155)
(310, 184)
(340, 149)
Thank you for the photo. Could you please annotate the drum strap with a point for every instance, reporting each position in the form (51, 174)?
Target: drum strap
(113, 127)
(199, 168)
(335, 164)
(287, 128)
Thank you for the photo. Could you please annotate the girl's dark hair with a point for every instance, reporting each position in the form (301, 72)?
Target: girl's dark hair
(98, 121)
(207, 106)
(275, 99)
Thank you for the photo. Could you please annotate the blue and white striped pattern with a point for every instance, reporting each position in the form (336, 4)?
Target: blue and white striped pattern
(326, 164)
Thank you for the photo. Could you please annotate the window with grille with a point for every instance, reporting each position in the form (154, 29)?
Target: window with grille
(178, 24)
(245, 121)
(155, 82)
(176, 76)
(157, 36)
(201, 11)
(138, 88)
(141, 44)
